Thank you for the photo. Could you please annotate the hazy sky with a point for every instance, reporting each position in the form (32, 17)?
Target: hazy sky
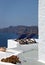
(18, 12)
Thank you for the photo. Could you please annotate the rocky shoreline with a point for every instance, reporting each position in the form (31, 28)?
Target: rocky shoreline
(26, 41)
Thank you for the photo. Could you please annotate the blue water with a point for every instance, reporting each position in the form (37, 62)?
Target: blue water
(5, 36)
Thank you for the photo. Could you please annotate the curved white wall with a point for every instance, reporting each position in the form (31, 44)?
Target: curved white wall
(42, 30)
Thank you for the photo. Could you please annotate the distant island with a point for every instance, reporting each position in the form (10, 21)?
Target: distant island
(20, 30)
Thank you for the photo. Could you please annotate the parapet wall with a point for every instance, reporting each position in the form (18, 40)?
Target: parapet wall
(12, 43)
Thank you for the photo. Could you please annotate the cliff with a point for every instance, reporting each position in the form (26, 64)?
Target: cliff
(20, 30)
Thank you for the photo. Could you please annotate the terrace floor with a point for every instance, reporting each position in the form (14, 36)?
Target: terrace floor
(29, 58)
(32, 63)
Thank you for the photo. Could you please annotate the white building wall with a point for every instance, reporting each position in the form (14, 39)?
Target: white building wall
(41, 19)
(12, 43)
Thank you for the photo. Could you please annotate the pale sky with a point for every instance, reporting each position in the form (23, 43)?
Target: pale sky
(18, 12)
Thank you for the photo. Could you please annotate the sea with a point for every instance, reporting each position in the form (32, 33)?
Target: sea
(5, 36)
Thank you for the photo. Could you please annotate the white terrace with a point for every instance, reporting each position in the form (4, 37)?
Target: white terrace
(35, 56)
